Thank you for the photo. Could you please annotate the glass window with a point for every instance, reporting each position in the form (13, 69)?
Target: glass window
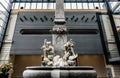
(29, 0)
(8, 1)
(96, 5)
(44, 6)
(16, 6)
(22, 5)
(73, 5)
(85, 5)
(67, 6)
(113, 4)
(2, 23)
(112, 47)
(102, 6)
(13, 5)
(54, 5)
(33, 5)
(91, 6)
(2, 8)
(54, 0)
(50, 5)
(18, 0)
(79, 6)
(40, 0)
(39, 6)
(4, 13)
(34, 0)
(4, 3)
(67, 0)
(3, 17)
(0, 29)
(113, 50)
(27, 6)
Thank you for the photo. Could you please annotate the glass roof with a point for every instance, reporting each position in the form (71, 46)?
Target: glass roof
(54, 0)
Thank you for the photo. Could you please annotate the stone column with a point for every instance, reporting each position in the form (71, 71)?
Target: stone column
(59, 36)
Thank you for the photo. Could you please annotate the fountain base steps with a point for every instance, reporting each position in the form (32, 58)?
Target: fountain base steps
(60, 72)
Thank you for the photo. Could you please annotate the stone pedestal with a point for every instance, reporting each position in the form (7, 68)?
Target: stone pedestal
(60, 72)
(59, 39)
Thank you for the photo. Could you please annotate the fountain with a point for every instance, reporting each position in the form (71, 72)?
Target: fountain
(59, 58)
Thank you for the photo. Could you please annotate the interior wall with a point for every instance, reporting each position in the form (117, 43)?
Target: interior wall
(30, 25)
(22, 61)
(97, 61)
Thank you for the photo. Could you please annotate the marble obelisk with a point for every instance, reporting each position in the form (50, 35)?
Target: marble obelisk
(59, 36)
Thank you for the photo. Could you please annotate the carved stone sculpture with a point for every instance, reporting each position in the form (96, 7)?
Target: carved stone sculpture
(70, 55)
(49, 54)
(52, 59)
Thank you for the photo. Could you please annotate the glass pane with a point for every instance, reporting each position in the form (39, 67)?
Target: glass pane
(113, 50)
(13, 5)
(91, 6)
(54, 5)
(79, 6)
(18, 0)
(52, 0)
(50, 5)
(34, 0)
(0, 30)
(1, 8)
(73, 5)
(64, 0)
(4, 13)
(113, 4)
(8, 1)
(102, 6)
(67, 6)
(39, 5)
(85, 5)
(3, 17)
(16, 6)
(112, 47)
(44, 6)
(33, 5)
(22, 5)
(28, 0)
(39, 0)
(5, 4)
(4, 25)
(96, 6)
(27, 6)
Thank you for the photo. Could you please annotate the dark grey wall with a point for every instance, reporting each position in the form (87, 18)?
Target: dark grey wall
(31, 43)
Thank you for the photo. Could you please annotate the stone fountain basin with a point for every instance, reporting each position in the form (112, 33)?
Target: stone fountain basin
(59, 72)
